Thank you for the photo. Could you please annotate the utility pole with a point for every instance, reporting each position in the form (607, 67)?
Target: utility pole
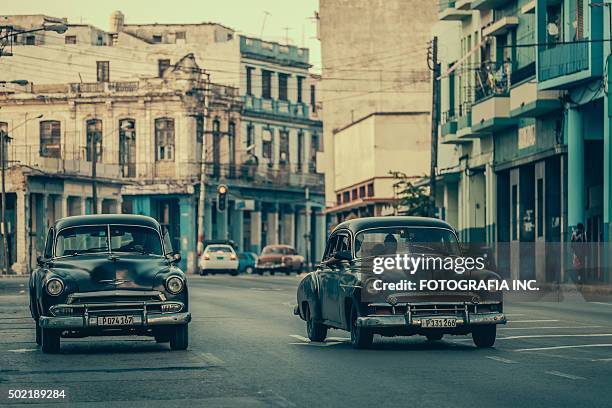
(435, 67)
(203, 157)
(94, 161)
(3, 135)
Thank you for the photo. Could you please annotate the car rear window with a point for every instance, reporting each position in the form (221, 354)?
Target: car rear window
(401, 240)
(225, 249)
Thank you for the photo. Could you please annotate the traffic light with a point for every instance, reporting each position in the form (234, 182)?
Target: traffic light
(222, 197)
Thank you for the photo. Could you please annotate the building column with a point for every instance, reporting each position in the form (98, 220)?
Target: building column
(300, 231)
(256, 231)
(22, 232)
(187, 227)
(208, 220)
(272, 235)
(118, 205)
(236, 227)
(288, 237)
(320, 236)
(221, 229)
(62, 204)
(83, 206)
(575, 170)
(99, 205)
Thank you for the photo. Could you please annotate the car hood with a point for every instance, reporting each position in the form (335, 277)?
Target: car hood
(104, 272)
(272, 257)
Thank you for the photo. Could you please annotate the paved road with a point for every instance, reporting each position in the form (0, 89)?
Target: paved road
(248, 350)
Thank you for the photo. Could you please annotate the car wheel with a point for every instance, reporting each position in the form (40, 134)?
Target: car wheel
(484, 336)
(248, 269)
(38, 333)
(287, 272)
(271, 273)
(434, 336)
(260, 272)
(361, 338)
(50, 340)
(179, 340)
(316, 331)
(233, 272)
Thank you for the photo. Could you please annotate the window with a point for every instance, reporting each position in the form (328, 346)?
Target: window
(282, 87)
(250, 139)
(578, 21)
(142, 240)
(94, 139)
(300, 83)
(313, 98)
(338, 199)
(30, 40)
(157, 38)
(330, 249)
(344, 243)
(200, 129)
(284, 147)
(266, 84)
(181, 35)
(249, 80)
(400, 240)
(162, 66)
(103, 71)
(164, 139)
(48, 254)
(100, 39)
(50, 138)
(346, 197)
(267, 144)
(371, 190)
(127, 147)
(314, 148)
(354, 194)
(362, 191)
(70, 39)
(300, 150)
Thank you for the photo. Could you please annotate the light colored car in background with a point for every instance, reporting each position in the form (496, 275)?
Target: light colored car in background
(218, 258)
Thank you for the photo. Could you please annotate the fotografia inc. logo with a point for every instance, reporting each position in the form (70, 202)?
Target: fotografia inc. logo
(415, 263)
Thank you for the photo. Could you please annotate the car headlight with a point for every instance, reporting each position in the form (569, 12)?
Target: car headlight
(54, 286)
(174, 284)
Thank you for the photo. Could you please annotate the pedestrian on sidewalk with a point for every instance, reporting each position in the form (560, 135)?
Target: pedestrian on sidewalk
(578, 241)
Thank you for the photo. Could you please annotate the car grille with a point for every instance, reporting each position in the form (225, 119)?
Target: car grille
(457, 309)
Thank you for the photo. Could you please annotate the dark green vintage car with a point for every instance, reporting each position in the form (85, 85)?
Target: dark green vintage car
(344, 292)
(108, 275)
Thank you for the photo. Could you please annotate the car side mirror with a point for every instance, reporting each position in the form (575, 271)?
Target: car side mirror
(40, 261)
(175, 257)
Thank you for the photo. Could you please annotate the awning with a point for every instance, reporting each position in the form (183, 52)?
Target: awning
(464, 58)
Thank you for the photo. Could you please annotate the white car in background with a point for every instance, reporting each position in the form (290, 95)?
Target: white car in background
(218, 258)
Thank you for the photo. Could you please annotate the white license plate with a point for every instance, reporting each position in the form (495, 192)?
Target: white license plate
(115, 320)
(438, 322)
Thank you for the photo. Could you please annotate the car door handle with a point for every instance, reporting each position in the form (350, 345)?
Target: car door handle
(349, 286)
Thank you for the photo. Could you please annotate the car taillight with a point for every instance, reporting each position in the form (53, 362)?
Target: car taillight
(233, 257)
(206, 257)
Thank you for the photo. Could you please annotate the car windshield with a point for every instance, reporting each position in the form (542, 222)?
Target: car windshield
(93, 239)
(272, 250)
(389, 241)
(224, 249)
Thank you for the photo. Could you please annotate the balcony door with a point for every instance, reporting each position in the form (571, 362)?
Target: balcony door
(127, 147)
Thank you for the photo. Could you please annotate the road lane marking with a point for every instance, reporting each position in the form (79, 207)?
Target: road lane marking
(602, 303)
(601, 359)
(501, 359)
(210, 358)
(564, 347)
(22, 350)
(564, 375)
(534, 321)
(330, 341)
(542, 336)
(548, 327)
(315, 344)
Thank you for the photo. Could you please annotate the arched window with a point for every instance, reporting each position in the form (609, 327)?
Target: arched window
(164, 139)
(94, 139)
(50, 138)
(127, 147)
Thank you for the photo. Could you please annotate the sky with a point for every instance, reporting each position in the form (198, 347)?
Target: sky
(292, 19)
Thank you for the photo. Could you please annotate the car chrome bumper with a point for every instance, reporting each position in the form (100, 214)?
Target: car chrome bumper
(91, 322)
(397, 321)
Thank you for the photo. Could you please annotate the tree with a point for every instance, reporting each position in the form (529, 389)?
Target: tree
(411, 199)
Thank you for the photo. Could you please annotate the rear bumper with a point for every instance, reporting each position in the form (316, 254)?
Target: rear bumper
(84, 322)
(219, 265)
(406, 321)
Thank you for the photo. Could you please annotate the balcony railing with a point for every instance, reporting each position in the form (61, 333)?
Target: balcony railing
(99, 87)
(563, 59)
(275, 106)
(493, 80)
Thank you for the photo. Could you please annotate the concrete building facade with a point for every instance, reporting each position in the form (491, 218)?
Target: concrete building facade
(155, 94)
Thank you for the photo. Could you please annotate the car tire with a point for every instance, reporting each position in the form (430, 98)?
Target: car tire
(248, 270)
(434, 336)
(271, 273)
(287, 272)
(38, 333)
(260, 272)
(162, 338)
(315, 331)
(233, 272)
(484, 336)
(361, 338)
(50, 340)
(179, 339)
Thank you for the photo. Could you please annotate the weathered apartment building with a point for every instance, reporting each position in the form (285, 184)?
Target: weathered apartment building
(525, 129)
(146, 97)
(376, 91)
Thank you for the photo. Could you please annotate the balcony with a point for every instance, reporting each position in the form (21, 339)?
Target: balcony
(527, 102)
(488, 4)
(500, 26)
(288, 55)
(463, 4)
(261, 106)
(464, 126)
(565, 64)
(449, 12)
(491, 109)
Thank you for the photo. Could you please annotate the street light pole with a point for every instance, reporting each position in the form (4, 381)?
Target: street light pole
(3, 223)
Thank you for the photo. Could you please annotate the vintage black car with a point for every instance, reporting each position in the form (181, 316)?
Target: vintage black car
(108, 275)
(341, 293)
